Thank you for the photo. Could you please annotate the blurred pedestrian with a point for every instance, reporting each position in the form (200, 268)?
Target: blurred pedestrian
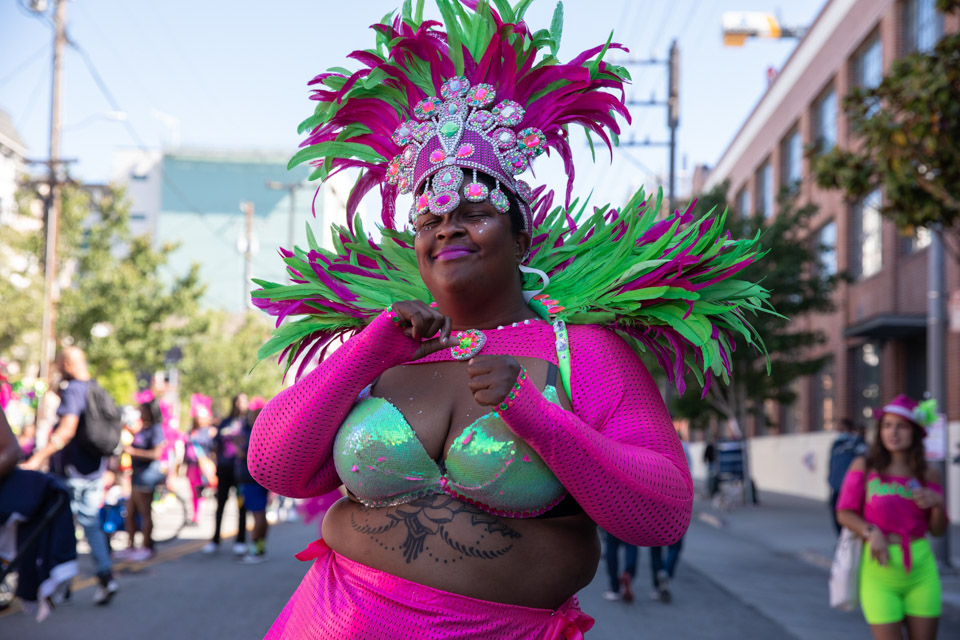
(662, 569)
(28, 508)
(146, 473)
(80, 468)
(201, 470)
(848, 445)
(892, 499)
(621, 584)
(225, 446)
(254, 495)
(713, 467)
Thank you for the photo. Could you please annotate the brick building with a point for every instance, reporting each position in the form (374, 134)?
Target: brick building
(877, 334)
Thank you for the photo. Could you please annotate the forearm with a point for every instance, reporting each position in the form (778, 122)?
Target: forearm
(855, 522)
(291, 441)
(637, 494)
(9, 455)
(938, 521)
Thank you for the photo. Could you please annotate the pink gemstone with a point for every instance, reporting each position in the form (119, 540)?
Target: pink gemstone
(531, 140)
(443, 199)
(475, 190)
(393, 169)
(465, 151)
(481, 93)
(437, 156)
(428, 107)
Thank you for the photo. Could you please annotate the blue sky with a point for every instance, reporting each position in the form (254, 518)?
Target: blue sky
(234, 74)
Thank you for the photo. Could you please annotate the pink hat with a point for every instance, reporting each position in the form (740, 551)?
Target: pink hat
(257, 402)
(923, 414)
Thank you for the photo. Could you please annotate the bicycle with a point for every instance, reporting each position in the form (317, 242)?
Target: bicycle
(169, 512)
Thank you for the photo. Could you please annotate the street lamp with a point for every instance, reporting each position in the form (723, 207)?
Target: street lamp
(740, 25)
(292, 187)
(111, 116)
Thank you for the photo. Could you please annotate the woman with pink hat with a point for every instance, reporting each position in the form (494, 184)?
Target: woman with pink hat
(892, 500)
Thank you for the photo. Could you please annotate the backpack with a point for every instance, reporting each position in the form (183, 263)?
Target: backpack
(101, 421)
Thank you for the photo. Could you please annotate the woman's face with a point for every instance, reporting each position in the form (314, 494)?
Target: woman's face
(896, 433)
(242, 403)
(470, 246)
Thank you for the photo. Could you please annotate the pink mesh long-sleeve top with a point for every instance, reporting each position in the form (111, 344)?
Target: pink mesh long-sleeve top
(616, 453)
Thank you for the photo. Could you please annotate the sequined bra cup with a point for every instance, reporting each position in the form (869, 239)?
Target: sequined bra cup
(382, 462)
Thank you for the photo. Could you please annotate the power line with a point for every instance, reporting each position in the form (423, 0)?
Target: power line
(24, 65)
(114, 104)
(690, 14)
(31, 102)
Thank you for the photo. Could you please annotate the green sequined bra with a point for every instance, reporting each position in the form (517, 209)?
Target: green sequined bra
(382, 462)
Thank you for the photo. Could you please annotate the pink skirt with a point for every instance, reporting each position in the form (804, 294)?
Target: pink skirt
(345, 600)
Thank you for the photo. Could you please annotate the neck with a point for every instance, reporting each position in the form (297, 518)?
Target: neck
(899, 458)
(466, 312)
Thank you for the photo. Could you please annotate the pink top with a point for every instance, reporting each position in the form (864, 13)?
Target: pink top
(617, 453)
(886, 501)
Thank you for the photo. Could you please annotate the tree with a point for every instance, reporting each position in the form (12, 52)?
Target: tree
(21, 289)
(218, 363)
(121, 305)
(120, 308)
(791, 270)
(909, 141)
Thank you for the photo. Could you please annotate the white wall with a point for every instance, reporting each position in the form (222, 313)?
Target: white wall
(797, 464)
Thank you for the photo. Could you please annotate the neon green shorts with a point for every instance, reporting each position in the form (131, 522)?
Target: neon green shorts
(889, 593)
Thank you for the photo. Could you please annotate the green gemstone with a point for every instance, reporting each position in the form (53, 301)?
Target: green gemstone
(450, 129)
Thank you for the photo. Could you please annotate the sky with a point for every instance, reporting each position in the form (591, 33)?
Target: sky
(224, 75)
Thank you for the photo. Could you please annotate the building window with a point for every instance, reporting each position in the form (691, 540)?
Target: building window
(867, 237)
(822, 412)
(922, 26)
(866, 380)
(743, 202)
(825, 121)
(764, 183)
(868, 64)
(791, 159)
(919, 239)
(827, 251)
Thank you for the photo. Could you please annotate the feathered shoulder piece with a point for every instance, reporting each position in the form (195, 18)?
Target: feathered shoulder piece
(668, 286)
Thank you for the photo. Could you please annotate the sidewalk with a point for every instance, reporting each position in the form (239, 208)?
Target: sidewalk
(776, 558)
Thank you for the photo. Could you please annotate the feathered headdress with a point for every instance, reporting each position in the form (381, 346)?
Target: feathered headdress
(667, 285)
(487, 94)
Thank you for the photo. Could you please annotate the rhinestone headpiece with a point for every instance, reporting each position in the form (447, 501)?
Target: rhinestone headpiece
(461, 131)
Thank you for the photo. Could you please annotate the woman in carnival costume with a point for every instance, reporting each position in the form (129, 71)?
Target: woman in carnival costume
(490, 409)
(892, 499)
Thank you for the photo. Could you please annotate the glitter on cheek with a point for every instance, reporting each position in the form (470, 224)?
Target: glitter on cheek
(381, 458)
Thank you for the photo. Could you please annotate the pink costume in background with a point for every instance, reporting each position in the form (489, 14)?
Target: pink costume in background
(885, 501)
(616, 453)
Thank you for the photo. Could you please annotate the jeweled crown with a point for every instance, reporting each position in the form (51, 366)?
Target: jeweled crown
(459, 131)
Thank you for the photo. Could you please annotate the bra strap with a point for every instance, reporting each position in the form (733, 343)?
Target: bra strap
(563, 354)
(552, 371)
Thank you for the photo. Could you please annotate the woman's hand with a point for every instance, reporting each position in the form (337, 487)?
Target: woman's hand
(878, 546)
(492, 377)
(421, 322)
(927, 498)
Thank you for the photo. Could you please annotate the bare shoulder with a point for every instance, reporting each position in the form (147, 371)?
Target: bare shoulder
(859, 464)
(933, 476)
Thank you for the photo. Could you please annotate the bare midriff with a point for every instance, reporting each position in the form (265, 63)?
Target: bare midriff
(447, 544)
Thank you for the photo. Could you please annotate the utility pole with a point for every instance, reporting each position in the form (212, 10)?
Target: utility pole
(52, 202)
(247, 249)
(290, 187)
(672, 103)
(673, 117)
(936, 364)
